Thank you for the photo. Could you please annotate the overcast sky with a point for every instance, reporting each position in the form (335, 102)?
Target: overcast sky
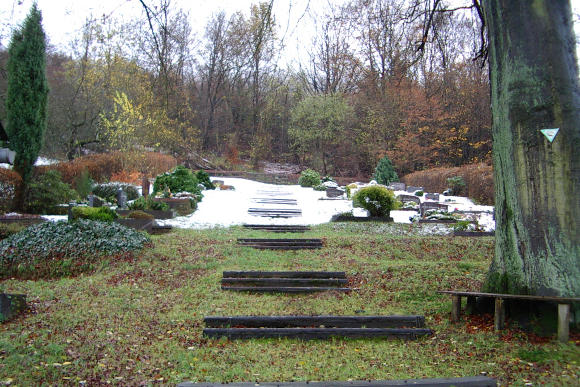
(63, 19)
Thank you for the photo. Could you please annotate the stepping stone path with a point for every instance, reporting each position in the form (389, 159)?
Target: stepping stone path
(277, 228)
(284, 281)
(315, 327)
(281, 244)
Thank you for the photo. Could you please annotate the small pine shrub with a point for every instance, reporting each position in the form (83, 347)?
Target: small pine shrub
(320, 187)
(377, 200)
(419, 193)
(179, 180)
(109, 191)
(56, 249)
(203, 178)
(104, 214)
(309, 178)
(46, 192)
(456, 184)
(328, 178)
(384, 172)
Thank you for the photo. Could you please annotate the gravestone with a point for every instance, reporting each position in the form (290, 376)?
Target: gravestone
(94, 201)
(412, 189)
(433, 206)
(121, 198)
(397, 186)
(333, 192)
(432, 196)
(11, 305)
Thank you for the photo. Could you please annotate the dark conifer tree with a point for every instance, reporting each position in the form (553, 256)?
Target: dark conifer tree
(27, 91)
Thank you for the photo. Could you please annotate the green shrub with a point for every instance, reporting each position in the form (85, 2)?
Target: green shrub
(140, 215)
(47, 191)
(320, 187)
(104, 214)
(84, 184)
(179, 180)
(148, 204)
(203, 178)
(50, 249)
(108, 191)
(456, 185)
(328, 178)
(377, 200)
(384, 172)
(419, 193)
(309, 178)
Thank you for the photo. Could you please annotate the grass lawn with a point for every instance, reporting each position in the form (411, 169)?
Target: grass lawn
(139, 321)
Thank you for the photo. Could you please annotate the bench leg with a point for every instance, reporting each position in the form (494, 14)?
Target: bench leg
(563, 322)
(455, 308)
(499, 315)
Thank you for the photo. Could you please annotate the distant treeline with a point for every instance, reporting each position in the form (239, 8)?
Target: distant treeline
(364, 91)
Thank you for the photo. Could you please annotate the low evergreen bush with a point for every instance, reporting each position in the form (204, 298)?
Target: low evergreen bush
(104, 214)
(45, 192)
(148, 204)
(179, 180)
(309, 178)
(320, 187)
(55, 249)
(203, 178)
(384, 172)
(377, 200)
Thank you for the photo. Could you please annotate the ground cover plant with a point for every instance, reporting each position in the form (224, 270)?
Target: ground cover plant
(139, 321)
(58, 249)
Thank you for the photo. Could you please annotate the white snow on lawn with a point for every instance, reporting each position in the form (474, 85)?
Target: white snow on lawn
(228, 208)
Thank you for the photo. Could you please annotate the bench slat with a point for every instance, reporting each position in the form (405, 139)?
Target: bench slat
(565, 300)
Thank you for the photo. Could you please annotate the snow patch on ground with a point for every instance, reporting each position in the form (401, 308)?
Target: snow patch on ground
(229, 208)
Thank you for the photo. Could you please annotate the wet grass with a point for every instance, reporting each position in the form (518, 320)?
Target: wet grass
(140, 321)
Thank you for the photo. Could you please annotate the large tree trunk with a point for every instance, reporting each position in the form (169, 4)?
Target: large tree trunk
(534, 85)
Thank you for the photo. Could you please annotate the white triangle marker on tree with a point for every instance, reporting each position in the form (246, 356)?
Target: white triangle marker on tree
(550, 133)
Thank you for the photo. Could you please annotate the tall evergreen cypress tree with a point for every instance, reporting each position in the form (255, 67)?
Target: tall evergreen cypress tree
(27, 92)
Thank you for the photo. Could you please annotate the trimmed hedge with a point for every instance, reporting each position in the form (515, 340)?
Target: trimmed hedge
(104, 214)
(376, 199)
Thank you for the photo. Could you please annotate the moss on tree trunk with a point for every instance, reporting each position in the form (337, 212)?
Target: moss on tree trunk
(534, 86)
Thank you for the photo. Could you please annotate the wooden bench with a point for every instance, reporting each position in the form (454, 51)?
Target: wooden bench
(315, 327)
(284, 281)
(499, 312)
(470, 381)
